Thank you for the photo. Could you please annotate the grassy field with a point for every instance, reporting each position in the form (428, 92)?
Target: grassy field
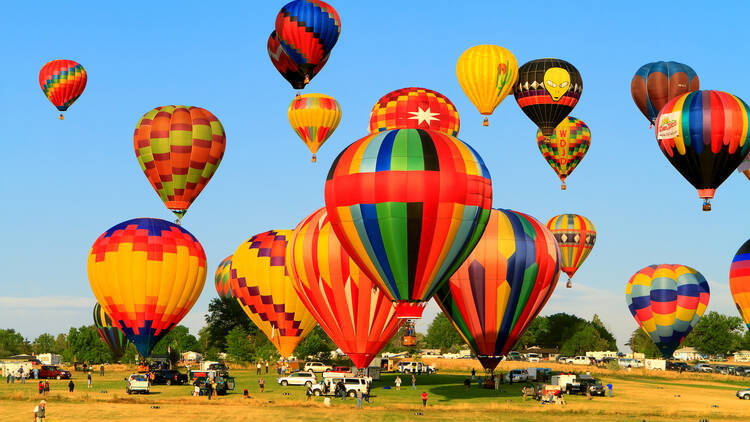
(639, 396)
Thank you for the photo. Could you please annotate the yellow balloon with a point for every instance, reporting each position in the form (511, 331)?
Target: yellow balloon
(487, 74)
(314, 117)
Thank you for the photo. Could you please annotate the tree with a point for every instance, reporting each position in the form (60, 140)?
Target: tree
(716, 334)
(641, 342)
(45, 343)
(317, 344)
(584, 340)
(61, 343)
(85, 345)
(534, 335)
(178, 339)
(224, 314)
(12, 343)
(442, 334)
(238, 346)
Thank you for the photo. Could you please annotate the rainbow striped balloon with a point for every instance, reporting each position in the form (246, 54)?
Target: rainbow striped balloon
(146, 273)
(409, 205)
(576, 236)
(739, 281)
(62, 81)
(222, 279)
(314, 117)
(667, 301)
(110, 332)
(503, 285)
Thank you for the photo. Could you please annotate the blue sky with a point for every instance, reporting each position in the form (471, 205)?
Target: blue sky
(66, 182)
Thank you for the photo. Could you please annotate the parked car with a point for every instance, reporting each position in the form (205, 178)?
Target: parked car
(721, 369)
(517, 375)
(580, 360)
(677, 366)
(744, 394)
(584, 383)
(316, 367)
(168, 377)
(514, 356)
(562, 359)
(532, 357)
(52, 371)
(702, 367)
(351, 384)
(298, 378)
(341, 369)
(137, 383)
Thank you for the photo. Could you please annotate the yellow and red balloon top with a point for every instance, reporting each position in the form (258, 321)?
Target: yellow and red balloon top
(576, 236)
(415, 108)
(314, 118)
(739, 281)
(62, 81)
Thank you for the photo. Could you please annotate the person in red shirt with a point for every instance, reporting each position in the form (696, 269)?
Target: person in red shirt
(424, 398)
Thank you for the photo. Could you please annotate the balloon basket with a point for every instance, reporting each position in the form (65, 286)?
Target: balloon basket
(62, 117)
(486, 122)
(307, 79)
(314, 159)
(563, 186)
(706, 206)
(569, 284)
(410, 310)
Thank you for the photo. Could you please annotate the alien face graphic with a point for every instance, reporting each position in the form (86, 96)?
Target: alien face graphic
(557, 82)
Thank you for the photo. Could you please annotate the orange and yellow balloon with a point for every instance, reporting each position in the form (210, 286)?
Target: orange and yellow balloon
(314, 117)
(487, 74)
(262, 286)
(576, 236)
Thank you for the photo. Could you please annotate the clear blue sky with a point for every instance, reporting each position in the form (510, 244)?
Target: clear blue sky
(66, 182)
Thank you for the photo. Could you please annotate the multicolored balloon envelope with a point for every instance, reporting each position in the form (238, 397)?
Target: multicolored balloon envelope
(307, 31)
(62, 81)
(567, 146)
(487, 74)
(355, 314)
(704, 134)
(654, 84)
(547, 91)
(739, 281)
(146, 274)
(288, 69)
(262, 286)
(503, 285)
(408, 205)
(314, 118)
(415, 108)
(110, 332)
(667, 301)
(576, 236)
(222, 278)
(179, 148)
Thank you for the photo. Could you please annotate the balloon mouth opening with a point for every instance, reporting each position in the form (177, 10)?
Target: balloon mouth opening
(410, 310)
(179, 214)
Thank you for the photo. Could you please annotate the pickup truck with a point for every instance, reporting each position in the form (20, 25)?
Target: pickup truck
(584, 383)
(52, 371)
(168, 377)
(137, 383)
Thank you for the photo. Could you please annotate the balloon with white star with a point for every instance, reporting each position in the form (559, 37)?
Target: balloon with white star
(415, 108)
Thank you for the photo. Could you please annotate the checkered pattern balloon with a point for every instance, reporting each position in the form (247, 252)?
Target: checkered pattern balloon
(62, 81)
(222, 279)
(415, 108)
(314, 118)
(566, 147)
(307, 31)
(576, 236)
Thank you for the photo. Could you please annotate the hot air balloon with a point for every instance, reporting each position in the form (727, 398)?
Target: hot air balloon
(415, 108)
(547, 91)
(287, 67)
(355, 314)
(179, 148)
(654, 84)
(487, 74)
(262, 286)
(147, 274)
(307, 31)
(222, 278)
(576, 236)
(314, 117)
(408, 205)
(566, 147)
(503, 285)
(110, 332)
(704, 134)
(667, 301)
(62, 81)
(739, 281)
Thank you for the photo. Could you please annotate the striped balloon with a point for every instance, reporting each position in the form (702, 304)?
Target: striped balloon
(62, 81)
(576, 236)
(503, 285)
(415, 108)
(667, 301)
(110, 332)
(566, 147)
(487, 74)
(307, 31)
(179, 148)
(654, 84)
(147, 274)
(739, 281)
(288, 69)
(221, 278)
(314, 117)
(408, 205)
(355, 314)
(262, 286)
(704, 134)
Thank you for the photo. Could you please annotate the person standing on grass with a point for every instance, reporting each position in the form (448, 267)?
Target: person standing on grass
(41, 388)
(46, 388)
(473, 374)
(308, 393)
(358, 395)
(609, 387)
(257, 368)
(101, 370)
(71, 386)
(398, 383)
(424, 399)
(261, 384)
(39, 411)
(22, 375)
(413, 382)
(88, 379)
(266, 367)
(467, 384)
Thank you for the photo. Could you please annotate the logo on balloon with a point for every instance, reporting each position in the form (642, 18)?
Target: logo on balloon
(667, 126)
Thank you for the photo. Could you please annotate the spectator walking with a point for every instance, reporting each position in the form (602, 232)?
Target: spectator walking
(257, 368)
(46, 388)
(398, 383)
(261, 384)
(71, 386)
(209, 389)
(266, 367)
(424, 399)
(467, 384)
(39, 411)
(473, 374)
(101, 370)
(358, 395)
(413, 382)
(22, 375)
(88, 379)
(36, 373)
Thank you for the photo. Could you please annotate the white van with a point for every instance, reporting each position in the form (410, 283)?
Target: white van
(581, 360)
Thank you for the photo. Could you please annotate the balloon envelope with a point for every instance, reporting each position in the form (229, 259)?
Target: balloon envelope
(288, 69)
(576, 236)
(262, 286)
(704, 135)
(503, 285)
(222, 278)
(314, 118)
(654, 84)
(487, 74)
(62, 81)
(146, 274)
(179, 148)
(547, 91)
(415, 108)
(355, 313)
(567, 146)
(110, 332)
(739, 281)
(307, 31)
(408, 205)
(667, 301)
